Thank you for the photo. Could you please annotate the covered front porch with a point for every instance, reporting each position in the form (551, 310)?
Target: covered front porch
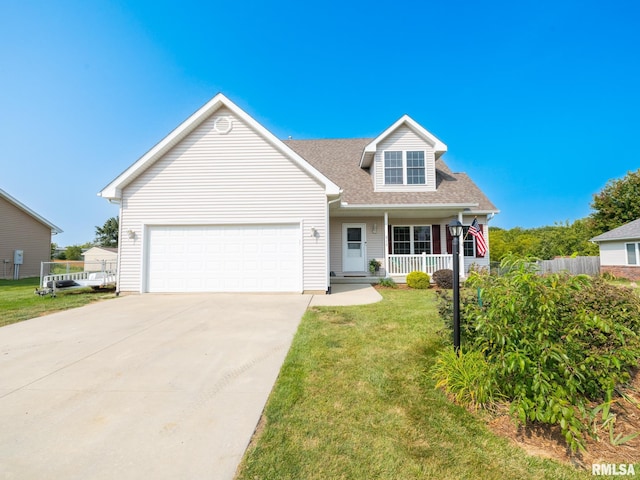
(394, 242)
(398, 267)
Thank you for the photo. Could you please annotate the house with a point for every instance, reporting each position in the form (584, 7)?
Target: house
(222, 205)
(25, 239)
(97, 259)
(620, 251)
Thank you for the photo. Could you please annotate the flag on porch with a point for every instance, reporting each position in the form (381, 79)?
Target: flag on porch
(481, 244)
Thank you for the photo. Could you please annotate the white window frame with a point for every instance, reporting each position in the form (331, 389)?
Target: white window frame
(637, 253)
(468, 239)
(405, 176)
(411, 239)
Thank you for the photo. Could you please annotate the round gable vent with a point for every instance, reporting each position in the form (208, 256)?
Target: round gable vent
(223, 125)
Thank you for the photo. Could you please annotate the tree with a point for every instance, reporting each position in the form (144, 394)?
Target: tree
(559, 240)
(616, 204)
(73, 252)
(516, 240)
(107, 235)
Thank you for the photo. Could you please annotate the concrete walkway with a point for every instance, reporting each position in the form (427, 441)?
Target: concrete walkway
(347, 294)
(145, 386)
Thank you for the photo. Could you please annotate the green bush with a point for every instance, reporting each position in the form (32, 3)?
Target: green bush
(388, 282)
(608, 276)
(555, 343)
(467, 377)
(418, 280)
(443, 278)
(445, 309)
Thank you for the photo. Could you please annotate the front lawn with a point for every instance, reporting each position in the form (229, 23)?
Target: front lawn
(354, 400)
(18, 301)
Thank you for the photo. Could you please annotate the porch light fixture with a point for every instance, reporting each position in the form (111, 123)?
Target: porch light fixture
(456, 229)
(374, 228)
(131, 234)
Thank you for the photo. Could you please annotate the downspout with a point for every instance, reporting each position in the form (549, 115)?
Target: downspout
(118, 264)
(327, 229)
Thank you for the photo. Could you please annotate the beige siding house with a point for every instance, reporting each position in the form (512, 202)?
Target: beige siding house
(222, 205)
(97, 259)
(23, 230)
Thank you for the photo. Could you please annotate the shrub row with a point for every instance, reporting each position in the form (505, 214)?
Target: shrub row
(552, 344)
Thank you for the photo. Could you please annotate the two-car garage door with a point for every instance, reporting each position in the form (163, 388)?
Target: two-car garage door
(224, 258)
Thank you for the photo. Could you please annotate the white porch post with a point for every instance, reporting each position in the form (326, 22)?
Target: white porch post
(386, 244)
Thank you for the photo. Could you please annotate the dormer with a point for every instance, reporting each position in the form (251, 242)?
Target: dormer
(402, 158)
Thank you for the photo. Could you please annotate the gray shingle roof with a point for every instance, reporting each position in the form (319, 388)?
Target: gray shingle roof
(628, 231)
(339, 160)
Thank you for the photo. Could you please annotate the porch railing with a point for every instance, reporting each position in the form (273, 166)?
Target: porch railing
(404, 264)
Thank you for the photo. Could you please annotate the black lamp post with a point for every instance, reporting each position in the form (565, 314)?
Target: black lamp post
(456, 229)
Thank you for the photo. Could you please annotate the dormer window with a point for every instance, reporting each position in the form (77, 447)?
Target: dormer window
(404, 168)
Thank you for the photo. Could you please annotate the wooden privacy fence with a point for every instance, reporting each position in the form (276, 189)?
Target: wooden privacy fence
(574, 265)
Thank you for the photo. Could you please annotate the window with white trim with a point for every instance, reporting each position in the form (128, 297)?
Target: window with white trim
(393, 174)
(404, 168)
(411, 239)
(469, 245)
(633, 253)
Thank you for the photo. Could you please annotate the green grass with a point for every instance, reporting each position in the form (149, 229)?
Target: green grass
(354, 400)
(18, 301)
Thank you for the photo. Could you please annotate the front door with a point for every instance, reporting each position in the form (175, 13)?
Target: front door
(354, 246)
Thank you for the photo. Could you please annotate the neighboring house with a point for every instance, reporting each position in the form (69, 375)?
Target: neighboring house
(23, 230)
(97, 259)
(620, 251)
(223, 205)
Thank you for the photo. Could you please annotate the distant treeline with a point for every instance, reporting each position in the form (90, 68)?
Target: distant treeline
(615, 205)
(559, 240)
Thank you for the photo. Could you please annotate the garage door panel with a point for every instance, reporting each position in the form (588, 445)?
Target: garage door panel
(263, 258)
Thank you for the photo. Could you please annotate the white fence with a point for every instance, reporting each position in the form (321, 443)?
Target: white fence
(574, 266)
(404, 264)
(86, 274)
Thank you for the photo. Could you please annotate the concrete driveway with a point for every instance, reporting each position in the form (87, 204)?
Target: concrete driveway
(145, 386)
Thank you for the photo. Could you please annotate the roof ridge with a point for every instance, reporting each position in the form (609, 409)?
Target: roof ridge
(324, 139)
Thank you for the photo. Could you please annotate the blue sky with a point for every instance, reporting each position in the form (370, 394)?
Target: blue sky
(539, 102)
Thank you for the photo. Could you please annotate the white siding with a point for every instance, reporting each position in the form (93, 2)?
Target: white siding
(375, 241)
(404, 139)
(613, 253)
(477, 262)
(231, 179)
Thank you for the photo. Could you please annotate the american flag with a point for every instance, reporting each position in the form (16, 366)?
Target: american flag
(481, 244)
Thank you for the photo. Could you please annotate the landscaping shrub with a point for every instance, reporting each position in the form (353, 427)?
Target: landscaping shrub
(468, 377)
(418, 280)
(388, 282)
(445, 309)
(443, 278)
(555, 343)
(608, 276)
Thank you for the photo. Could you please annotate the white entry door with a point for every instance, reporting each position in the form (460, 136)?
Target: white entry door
(354, 247)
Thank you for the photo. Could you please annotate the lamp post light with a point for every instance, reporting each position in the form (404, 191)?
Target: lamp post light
(456, 229)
